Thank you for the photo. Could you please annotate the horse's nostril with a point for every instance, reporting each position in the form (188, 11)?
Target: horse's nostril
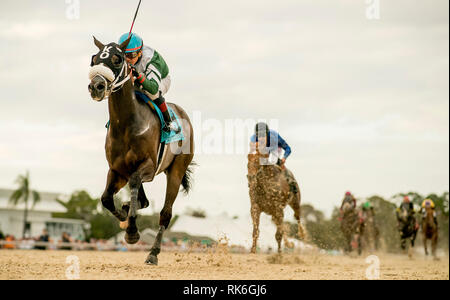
(100, 87)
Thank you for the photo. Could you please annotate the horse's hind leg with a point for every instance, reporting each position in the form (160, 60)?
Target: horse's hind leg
(295, 205)
(278, 220)
(132, 234)
(114, 183)
(175, 175)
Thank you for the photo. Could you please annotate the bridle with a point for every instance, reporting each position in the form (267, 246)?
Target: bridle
(112, 82)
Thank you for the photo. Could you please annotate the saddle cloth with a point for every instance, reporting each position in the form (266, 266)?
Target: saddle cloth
(166, 137)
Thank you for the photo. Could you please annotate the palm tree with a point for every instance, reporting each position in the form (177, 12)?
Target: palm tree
(22, 194)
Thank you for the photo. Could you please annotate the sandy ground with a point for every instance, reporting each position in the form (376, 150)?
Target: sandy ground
(35, 264)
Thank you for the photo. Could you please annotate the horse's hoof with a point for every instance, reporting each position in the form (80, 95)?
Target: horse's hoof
(152, 260)
(132, 238)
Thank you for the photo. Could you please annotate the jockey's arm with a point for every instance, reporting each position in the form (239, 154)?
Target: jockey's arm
(283, 145)
(253, 144)
(150, 77)
(148, 83)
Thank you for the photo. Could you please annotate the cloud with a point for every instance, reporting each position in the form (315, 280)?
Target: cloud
(364, 104)
(28, 31)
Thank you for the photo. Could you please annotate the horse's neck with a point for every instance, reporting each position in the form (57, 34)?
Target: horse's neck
(350, 213)
(123, 107)
(430, 217)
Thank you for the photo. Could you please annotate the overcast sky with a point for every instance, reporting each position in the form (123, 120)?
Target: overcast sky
(364, 104)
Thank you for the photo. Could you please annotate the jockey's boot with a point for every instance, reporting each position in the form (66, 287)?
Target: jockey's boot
(169, 124)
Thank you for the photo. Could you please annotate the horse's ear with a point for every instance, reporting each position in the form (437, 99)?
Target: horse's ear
(124, 45)
(97, 43)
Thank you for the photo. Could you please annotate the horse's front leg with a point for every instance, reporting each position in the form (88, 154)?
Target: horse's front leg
(142, 202)
(425, 243)
(256, 213)
(434, 242)
(174, 175)
(132, 233)
(114, 183)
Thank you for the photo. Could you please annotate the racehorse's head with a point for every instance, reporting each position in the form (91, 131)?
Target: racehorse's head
(256, 159)
(108, 70)
(253, 163)
(347, 207)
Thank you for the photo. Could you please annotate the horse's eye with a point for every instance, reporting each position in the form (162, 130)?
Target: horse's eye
(116, 60)
(93, 59)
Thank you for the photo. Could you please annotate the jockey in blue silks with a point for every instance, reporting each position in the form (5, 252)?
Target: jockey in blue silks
(274, 142)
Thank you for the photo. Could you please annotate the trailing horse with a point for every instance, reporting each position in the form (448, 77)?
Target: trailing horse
(369, 231)
(351, 227)
(407, 229)
(429, 231)
(270, 192)
(133, 144)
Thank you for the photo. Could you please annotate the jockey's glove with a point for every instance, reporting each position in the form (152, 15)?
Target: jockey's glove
(138, 77)
(134, 72)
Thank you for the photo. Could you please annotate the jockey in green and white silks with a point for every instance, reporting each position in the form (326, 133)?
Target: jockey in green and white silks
(151, 74)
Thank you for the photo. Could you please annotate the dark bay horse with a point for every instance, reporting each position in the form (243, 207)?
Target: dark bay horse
(430, 231)
(369, 231)
(350, 226)
(407, 228)
(133, 143)
(270, 193)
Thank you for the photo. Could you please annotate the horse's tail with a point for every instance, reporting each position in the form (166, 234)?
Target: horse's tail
(186, 181)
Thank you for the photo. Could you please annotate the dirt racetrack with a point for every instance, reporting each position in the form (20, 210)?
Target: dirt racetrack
(35, 264)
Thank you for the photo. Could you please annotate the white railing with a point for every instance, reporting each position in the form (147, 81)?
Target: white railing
(28, 245)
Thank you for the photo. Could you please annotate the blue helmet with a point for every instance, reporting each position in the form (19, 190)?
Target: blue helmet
(135, 44)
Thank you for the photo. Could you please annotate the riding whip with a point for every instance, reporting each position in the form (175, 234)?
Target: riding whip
(135, 14)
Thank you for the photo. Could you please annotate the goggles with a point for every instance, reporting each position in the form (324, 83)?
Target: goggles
(132, 55)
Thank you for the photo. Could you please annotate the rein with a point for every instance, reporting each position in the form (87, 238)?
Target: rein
(115, 86)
